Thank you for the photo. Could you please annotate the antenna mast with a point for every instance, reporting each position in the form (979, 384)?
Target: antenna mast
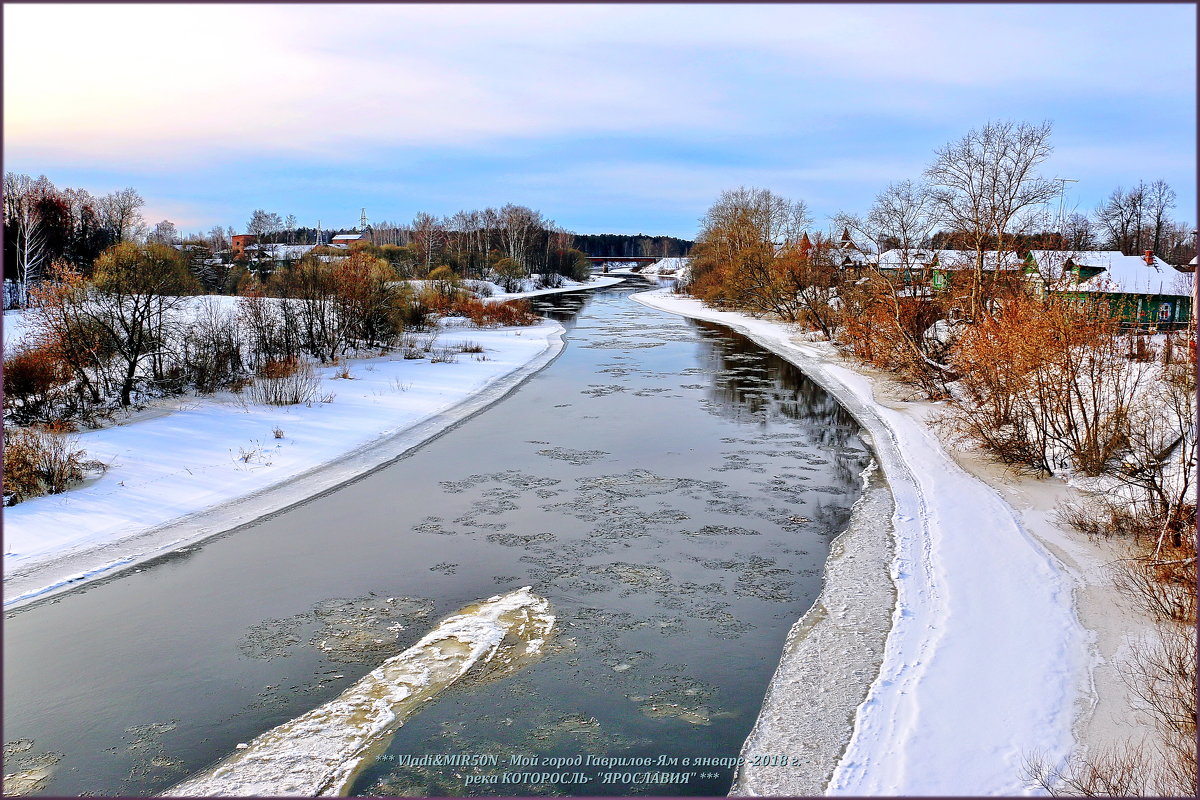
(1062, 189)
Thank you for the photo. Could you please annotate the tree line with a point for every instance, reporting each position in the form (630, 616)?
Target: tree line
(619, 244)
(44, 225)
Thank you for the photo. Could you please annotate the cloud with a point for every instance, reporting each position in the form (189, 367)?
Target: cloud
(169, 84)
(222, 108)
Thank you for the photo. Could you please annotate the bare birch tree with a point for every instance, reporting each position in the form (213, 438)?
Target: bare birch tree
(30, 241)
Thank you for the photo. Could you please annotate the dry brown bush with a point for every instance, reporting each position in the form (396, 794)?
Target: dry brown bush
(38, 462)
(886, 323)
(1159, 576)
(511, 313)
(1046, 385)
(284, 382)
(35, 378)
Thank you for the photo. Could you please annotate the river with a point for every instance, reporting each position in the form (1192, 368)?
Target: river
(668, 485)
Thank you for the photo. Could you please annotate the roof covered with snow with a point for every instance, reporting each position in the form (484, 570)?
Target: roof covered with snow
(1121, 274)
(899, 258)
(1132, 275)
(286, 251)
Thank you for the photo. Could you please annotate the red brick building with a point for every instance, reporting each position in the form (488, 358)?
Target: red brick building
(240, 242)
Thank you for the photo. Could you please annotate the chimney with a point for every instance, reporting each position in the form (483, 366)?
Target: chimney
(1149, 257)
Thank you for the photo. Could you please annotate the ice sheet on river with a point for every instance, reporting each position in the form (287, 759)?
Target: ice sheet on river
(320, 752)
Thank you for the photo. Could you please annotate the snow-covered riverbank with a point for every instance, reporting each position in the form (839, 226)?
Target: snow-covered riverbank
(189, 468)
(986, 662)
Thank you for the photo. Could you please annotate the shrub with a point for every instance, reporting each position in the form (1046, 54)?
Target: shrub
(33, 378)
(509, 274)
(38, 462)
(284, 382)
(480, 288)
(211, 349)
(507, 314)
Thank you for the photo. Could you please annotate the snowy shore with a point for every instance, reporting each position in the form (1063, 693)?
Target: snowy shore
(987, 661)
(190, 468)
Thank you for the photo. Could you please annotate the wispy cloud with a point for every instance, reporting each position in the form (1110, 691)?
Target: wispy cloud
(665, 102)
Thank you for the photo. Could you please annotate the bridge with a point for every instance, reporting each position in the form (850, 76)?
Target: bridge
(604, 261)
(615, 259)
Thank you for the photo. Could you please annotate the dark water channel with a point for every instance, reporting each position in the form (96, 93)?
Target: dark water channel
(668, 485)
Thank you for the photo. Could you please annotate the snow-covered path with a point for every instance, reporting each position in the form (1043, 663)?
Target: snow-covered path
(985, 659)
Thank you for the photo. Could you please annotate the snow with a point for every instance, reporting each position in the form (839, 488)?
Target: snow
(15, 327)
(1132, 275)
(947, 259)
(208, 450)
(668, 266)
(985, 659)
(320, 752)
(529, 287)
(191, 467)
(674, 267)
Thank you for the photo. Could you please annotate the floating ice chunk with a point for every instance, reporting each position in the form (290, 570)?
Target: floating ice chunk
(320, 752)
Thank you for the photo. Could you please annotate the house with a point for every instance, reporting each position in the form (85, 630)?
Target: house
(939, 265)
(278, 252)
(347, 239)
(240, 241)
(849, 254)
(1141, 290)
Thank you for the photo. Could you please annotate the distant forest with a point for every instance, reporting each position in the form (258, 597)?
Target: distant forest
(619, 244)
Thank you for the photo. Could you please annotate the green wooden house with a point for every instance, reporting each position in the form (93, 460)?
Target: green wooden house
(1141, 290)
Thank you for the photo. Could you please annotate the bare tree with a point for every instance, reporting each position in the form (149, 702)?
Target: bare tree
(265, 226)
(138, 292)
(30, 242)
(1121, 218)
(985, 185)
(516, 223)
(1160, 199)
(903, 218)
(119, 210)
(428, 236)
(1078, 233)
(164, 233)
(217, 240)
(741, 237)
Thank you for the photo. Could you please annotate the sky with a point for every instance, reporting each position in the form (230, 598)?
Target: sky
(606, 118)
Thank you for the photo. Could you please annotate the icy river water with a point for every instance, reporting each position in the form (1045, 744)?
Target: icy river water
(670, 487)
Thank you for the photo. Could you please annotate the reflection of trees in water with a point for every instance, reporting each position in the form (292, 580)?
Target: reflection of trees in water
(751, 384)
(564, 307)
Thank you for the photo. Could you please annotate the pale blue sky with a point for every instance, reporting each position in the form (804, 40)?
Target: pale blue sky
(613, 118)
